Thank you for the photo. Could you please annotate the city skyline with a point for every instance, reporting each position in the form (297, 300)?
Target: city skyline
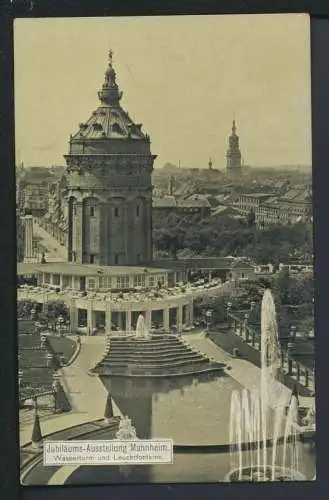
(170, 84)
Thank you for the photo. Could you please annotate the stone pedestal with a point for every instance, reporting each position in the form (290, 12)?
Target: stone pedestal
(166, 325)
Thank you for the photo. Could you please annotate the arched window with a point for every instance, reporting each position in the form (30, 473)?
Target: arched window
(116, 259)
(137, 211)
(116, 128)
(116, 211)
(92, 211)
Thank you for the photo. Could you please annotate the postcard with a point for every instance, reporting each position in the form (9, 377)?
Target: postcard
(164, 249)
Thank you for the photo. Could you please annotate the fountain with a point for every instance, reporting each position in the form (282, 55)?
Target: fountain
(262, 421)
(141, 329)
(126, 429)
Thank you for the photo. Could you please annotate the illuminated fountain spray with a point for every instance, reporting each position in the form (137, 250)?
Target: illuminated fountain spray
(141, 329)
(263, 420)
(126, 429)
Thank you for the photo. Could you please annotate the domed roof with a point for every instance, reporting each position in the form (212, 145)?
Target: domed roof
(109, 120)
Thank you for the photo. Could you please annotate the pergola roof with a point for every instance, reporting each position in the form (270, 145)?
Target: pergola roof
(72, 269)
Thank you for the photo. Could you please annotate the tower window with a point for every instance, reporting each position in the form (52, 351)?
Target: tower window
(116, 128)
(116, 212)
(137, 211)
(92, 211)
(91, 259)
(116, 259)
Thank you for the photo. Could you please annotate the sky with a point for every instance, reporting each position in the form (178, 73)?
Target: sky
(183, 77)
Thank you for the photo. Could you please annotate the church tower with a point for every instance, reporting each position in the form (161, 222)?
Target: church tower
(109, 187)
(233, 155)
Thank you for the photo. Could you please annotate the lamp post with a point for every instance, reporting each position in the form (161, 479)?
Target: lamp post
(55, 381)
(43, 339)
(246, 317)
(290, 346)
(49, 358)
(292, 333)
(208, 319)
(228, 309)
(60, 323)
(33, 313)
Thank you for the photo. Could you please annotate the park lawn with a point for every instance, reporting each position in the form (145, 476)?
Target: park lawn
(63, 345)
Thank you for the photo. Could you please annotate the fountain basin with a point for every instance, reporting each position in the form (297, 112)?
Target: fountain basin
(259, 473)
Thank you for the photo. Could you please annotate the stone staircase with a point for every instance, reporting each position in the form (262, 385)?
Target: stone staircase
(159, 356)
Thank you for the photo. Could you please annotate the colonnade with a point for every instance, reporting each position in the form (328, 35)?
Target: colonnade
(294, 368)
(172, 316)
(289, 365)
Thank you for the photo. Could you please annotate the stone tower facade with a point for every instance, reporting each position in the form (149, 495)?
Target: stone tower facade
(109, 187)
(233, 155)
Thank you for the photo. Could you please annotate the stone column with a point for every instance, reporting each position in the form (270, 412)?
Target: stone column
(90, 319)
(28, 239)
(73, 316)
(128, 322)
(179, 319)
(77, 236)
(306, 377)
(187, 316)
(209, 276)
(166, 325)
(148, 235)
(127, 243)
(108, 318)
(191, 312)
(148, 319)
(298, 371)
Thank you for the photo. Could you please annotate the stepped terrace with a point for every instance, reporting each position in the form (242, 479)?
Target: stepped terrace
(159, 356)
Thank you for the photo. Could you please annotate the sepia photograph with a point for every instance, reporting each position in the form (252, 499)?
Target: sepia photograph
(164, 222)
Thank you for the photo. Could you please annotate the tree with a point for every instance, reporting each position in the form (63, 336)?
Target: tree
(56, 309)
(215, 304)
(282, 287)
(171, 237)
(25, 307)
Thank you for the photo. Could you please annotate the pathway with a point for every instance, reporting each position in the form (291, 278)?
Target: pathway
(244, 372)
(87, 395)
(55, 252)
